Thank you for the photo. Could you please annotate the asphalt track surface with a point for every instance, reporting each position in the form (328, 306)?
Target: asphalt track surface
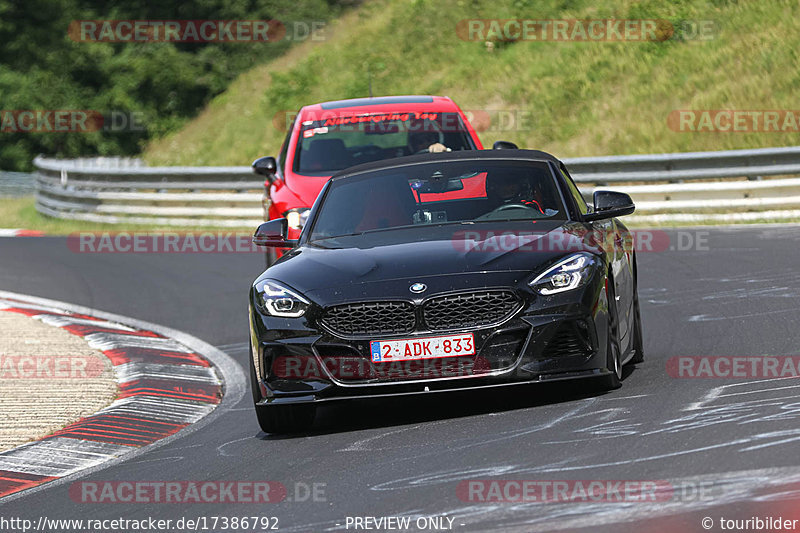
(727, 447)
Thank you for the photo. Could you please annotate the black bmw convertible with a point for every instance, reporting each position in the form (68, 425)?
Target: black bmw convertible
(442, 272)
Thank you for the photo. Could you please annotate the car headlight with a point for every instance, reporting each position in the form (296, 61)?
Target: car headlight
(276, 299)
(297, 217)
(566, 275)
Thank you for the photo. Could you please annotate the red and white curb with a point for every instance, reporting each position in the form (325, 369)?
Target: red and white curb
(168, 381)
(6, 232)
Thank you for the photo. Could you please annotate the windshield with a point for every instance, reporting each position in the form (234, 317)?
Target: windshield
(453, 192)
(332, 144)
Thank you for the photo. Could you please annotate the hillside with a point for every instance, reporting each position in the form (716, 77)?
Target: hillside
(570, 98)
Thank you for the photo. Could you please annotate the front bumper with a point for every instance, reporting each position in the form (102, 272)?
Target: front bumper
(400, 390)
(550, 339)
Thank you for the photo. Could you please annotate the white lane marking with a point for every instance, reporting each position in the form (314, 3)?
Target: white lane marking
(111, 341)
(589, 466)
(8, 304)
(717, 392)
(794, 435)
(449, 476)
(711, 318)
(235, 346)
(59, 456)
(13, 232)
(127, 372)
(171, 459)
(61, 321)
(158, 408)
(747, 293)
(771, 389)
(220, 449)
(360, 445)
(604, 399)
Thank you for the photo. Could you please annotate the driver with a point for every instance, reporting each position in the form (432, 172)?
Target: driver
(426, 140)
(505, 189)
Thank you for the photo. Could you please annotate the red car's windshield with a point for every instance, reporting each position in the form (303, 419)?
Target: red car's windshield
(332, 144)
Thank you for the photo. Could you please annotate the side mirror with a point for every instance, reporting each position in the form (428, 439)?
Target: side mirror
(274, 234)
(610, 204)
(504, 145)
(265, 166)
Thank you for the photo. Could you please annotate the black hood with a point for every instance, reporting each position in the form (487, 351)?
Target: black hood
(385, 264)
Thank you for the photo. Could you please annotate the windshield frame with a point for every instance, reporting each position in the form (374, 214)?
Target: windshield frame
(308, 230)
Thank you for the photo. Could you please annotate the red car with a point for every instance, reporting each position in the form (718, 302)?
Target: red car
(328, 137)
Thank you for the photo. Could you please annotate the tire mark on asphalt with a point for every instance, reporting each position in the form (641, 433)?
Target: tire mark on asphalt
(494, 470)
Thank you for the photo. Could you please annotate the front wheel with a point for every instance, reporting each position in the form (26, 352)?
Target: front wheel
(613, 355)
(638, 339)
(279, 418)
(285, 418)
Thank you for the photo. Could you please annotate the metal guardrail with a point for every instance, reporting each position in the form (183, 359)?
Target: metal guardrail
(16, 184)
(754, 163)
(733, 182)
(116, 190)
(126, 191)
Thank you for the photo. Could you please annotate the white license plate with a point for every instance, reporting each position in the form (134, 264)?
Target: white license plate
(422, 348)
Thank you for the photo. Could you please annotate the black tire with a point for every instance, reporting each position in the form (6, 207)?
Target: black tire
(279, 418)
(638, 339)
(613, 355)
(256, 392)
(285, 418)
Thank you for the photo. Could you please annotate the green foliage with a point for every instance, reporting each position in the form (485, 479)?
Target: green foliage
(162, 84)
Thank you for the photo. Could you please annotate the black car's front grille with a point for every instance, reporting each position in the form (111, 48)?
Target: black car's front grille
(469, 310)
(441, 313)
(370, 318)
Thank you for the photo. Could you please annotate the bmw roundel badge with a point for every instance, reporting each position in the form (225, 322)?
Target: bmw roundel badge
(418, 288)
